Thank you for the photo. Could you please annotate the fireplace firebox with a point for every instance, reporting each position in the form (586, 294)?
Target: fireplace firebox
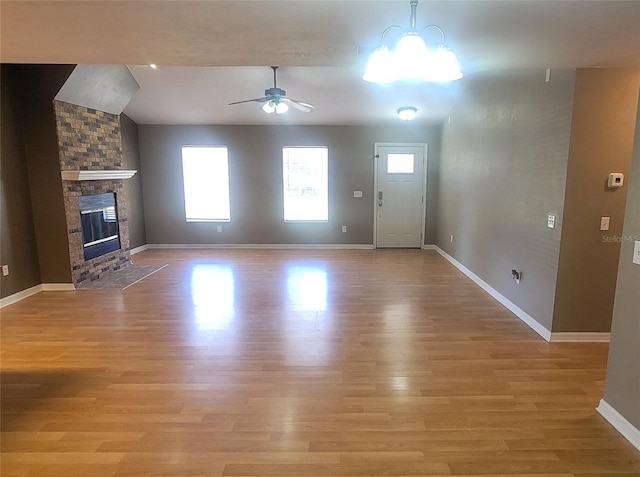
(99, 219)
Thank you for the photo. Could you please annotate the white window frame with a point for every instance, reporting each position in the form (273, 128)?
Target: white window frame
(325, 218)
(206, 186)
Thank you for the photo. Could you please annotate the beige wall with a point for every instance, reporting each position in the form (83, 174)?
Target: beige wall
(604, 116)
(255, 168)
(18, 243)
(133, 186)
(503, 165)
(622, 389)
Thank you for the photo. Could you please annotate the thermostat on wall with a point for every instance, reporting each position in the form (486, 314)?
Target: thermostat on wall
(616, 179)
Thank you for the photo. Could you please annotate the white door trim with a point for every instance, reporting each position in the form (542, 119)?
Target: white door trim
(378, 145)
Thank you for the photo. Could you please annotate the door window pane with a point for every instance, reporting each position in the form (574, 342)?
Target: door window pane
(305, 183)
(400, 164)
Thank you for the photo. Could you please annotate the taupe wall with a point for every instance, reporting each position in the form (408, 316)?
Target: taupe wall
(602, 132)
(503, 169)
(133, 186)
(255, 169)
(39, 85)
(18, 244)
(622, 390)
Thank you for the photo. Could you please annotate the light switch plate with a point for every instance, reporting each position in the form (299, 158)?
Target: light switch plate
(357, 193)
(551, 221)
(604, 223)
(636, 253)
(5, 270)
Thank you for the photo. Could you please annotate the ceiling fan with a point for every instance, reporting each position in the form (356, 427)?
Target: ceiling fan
(275, 100)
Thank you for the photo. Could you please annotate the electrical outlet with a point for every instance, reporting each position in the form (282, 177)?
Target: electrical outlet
(636, 253)
(604, 223)
(551, 221)
(344, 228)
(5, 270)
(516, 275)
(219, 228)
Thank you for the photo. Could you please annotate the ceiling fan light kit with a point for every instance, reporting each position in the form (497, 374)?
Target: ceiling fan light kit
(412, 59)
(271, 107)
(275, 100)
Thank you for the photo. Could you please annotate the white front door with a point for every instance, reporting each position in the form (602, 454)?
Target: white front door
(399, 196)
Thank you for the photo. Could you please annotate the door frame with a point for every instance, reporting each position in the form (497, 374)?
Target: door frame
(376, 157)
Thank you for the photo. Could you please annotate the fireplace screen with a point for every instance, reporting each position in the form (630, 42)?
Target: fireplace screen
(99, 219)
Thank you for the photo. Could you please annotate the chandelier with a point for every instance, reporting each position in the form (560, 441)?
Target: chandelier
(411, 58)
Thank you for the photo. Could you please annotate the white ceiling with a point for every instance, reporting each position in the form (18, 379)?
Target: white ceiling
(213, 52)
(200, 95)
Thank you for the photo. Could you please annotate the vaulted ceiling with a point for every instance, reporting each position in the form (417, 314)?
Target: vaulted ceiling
(213, 52)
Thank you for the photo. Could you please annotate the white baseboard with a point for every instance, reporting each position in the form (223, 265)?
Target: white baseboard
(429, 247)
(267, 246)
(618, 421)
(21, 295)
(580, 337)
(58, 287)
(139, 249)
(508, 304)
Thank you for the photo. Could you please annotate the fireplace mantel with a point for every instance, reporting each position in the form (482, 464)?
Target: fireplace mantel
(97, 175)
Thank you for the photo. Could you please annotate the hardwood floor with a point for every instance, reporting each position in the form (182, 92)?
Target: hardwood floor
(297, 363)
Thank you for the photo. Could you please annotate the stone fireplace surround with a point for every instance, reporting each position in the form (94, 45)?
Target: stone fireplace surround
(90, 140)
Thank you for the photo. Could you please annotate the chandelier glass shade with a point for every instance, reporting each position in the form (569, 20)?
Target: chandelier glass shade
(412, 59)
(378, 70)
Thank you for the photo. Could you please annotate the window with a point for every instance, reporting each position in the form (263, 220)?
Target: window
(206, 183)
(400, 164)
(305, 181)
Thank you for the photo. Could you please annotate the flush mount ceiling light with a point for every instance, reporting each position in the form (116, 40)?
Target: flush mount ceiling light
(407, 113)
(411, 58)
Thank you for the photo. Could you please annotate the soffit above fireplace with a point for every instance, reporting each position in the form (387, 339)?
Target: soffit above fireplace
(97, 175)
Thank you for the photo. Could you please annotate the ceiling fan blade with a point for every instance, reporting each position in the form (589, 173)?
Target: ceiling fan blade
(299, 105)
(264, 99)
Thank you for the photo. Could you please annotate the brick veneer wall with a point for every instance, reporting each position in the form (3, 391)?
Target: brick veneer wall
(88, 139)
(91, 140)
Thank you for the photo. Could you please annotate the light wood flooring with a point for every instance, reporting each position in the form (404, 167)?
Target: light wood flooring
(297, 363)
